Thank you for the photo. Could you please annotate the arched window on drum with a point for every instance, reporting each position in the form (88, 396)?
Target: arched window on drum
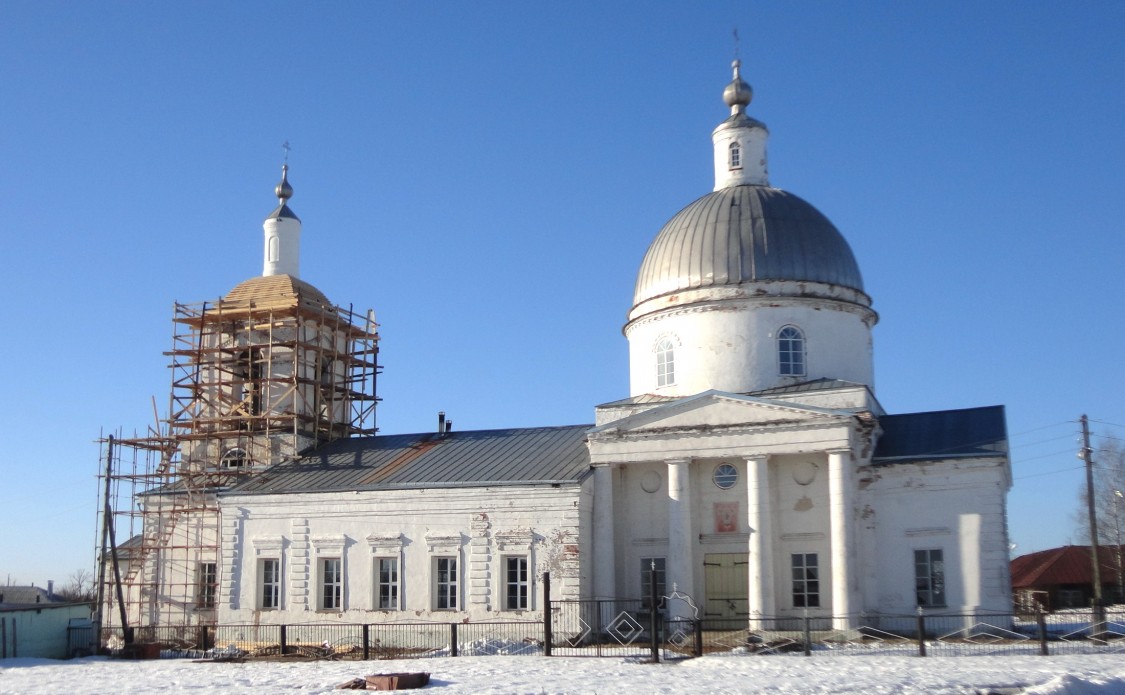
(791, 351)
(665, 362)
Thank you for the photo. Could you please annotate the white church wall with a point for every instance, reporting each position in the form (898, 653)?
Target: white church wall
(800, 497)
(955, 506)
(477, 529)
(733, 346)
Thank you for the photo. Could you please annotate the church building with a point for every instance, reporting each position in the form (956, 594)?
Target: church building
(751, 466)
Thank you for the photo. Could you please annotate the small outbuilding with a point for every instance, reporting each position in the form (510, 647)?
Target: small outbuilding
(1063, 577)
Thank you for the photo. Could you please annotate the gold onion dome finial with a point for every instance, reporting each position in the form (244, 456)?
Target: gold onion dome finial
(737, 94)
(284, 191)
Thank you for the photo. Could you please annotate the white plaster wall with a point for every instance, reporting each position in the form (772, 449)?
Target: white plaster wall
(957, 506)
(754, 169)
(800, 525)
(478, 526)
(732, 345)
(281, 252)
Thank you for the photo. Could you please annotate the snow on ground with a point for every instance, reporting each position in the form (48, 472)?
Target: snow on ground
(1055, 675)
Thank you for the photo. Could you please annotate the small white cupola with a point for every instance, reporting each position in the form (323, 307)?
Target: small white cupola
(282, 253)
(740, 141)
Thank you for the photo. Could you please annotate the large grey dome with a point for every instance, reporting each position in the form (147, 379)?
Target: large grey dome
(746, 234)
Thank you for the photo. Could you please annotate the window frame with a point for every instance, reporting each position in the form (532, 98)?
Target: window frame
(661, 582)
(665, 362)
(518, 590)
(387, 588)
(330, 587)
(730, 474)
(929, 578)
(207, 585)
(268, 589)
(805, 576)
(446, 590)
(734, 155)
(792, 352)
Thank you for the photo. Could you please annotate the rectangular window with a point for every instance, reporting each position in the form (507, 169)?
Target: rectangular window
(331, 584)
(929, 577)
(806, 581)
(515, 583)
(649, 565)
(445, 583)
(270, 573)
(386, 569)
(207, 584)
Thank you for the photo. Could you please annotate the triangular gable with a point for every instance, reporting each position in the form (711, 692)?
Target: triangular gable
(719, 409)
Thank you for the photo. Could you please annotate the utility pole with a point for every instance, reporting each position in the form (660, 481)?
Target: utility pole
(1098, 606)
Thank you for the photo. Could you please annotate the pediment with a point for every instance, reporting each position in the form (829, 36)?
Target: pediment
(717, 410)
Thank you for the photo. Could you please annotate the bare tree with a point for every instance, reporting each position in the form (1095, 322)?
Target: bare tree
(80, 587)
(1109, 504)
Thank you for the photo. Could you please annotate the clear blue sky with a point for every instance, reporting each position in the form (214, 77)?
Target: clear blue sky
(487, 177)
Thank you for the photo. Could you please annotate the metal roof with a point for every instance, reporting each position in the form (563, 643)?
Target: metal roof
(822, 384)
(545, 455)
(745, 234)
(1069, 564)
(942, 434)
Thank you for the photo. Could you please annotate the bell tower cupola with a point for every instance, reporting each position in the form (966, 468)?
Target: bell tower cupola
(740, 141)
(282, 253)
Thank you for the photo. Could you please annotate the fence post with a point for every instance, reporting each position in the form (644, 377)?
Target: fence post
(281, 641)
(547, 636)
(652, 617)
(453, 651)
(697, 625)
(808, 634)
(203, 637)
(366, 641)
(1041, 621)
(921, 632)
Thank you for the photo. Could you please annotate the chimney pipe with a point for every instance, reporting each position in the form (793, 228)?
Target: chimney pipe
(441, 422)
(448, 426)
(50, 588)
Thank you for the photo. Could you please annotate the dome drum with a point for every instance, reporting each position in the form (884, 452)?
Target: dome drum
(733, 345)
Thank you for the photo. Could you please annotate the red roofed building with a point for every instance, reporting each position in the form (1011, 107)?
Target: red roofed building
(1062, 577)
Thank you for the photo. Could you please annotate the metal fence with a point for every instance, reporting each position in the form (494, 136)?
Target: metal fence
(630, 628)
(627, 629)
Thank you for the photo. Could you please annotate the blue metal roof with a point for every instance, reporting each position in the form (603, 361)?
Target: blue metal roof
(941, 434)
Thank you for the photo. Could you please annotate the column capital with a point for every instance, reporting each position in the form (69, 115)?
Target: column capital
(757, 457)
(681, 459)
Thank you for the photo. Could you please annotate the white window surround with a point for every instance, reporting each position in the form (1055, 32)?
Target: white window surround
(384, 544)
(388, 583)
(268, 545)
(514, 541)
(446, 583)
(516, 583)
(444, 544)
(269, 584)
(734, 158)
(330, 584)
(329, 545)
(929, 577)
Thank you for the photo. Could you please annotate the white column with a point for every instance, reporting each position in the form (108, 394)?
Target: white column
(761, 536)
(680, 568)
(605, 580)
(841, 517)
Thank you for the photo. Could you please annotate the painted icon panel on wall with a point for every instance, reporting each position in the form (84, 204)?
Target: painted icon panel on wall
(726, 517)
